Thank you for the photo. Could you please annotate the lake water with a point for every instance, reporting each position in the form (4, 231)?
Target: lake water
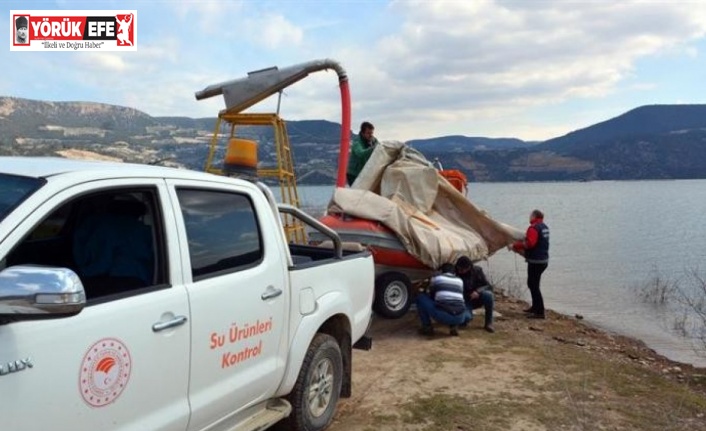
(607, 238)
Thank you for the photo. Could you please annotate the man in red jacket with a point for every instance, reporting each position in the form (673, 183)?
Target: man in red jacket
(535, 248)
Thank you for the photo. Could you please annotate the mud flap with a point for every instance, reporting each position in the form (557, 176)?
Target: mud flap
(365, 343)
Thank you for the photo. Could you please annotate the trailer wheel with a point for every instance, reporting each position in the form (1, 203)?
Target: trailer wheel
(393, 295)
(318, 387)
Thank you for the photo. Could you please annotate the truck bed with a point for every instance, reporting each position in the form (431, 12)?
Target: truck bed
(305, 256)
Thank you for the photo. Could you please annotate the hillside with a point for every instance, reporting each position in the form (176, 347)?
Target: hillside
(642, 122)
(460, 144)
(649, 142)
(90, 130)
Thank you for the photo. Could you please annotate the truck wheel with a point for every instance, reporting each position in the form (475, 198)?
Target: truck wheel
(393, 295)
(315, 395)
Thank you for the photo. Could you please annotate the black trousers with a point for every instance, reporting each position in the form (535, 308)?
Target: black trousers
(534, 276)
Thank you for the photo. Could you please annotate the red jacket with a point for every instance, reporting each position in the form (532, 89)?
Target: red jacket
(531, 237)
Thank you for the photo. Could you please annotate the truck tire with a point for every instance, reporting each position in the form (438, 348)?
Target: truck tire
(393, 295)
(318, 387)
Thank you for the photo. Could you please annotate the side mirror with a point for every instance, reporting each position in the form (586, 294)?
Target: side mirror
(36, 292)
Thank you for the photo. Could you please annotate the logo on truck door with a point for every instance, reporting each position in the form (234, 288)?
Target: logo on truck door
(105, 371)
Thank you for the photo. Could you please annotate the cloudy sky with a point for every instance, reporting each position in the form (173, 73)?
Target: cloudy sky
(530, 69)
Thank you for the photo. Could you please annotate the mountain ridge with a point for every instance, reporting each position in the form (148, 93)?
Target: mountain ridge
(648, 142)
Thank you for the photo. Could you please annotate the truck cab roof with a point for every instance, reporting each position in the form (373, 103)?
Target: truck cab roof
(44, 167)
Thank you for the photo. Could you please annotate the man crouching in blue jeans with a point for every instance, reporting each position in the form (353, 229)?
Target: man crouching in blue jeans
(444, 302)
(477, 291)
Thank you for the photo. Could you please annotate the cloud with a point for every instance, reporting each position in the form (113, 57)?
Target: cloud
(416, 68)
(152, 79)
(461, 61)
(642, 86)
(691, 52)
(104, 62)
(273, 31)
(211, 16)
(545, 50)
(173, 96)
(237, 20)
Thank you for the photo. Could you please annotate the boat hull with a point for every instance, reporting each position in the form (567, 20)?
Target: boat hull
(388, 252)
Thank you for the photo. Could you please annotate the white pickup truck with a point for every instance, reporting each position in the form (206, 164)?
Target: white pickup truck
(147, 298)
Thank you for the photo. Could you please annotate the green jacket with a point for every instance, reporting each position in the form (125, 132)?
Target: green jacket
(360, 153)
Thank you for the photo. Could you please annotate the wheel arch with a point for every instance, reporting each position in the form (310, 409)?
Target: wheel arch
(338, 325)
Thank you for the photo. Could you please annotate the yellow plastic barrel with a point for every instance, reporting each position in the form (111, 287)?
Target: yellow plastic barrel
(241, 157)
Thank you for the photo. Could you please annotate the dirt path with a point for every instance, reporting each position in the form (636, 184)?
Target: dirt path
(529, 375)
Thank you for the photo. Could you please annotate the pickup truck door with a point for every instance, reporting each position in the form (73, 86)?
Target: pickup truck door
(122, 363)
(238, 295)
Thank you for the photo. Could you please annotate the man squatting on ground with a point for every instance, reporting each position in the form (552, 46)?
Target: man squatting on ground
(444, 302)
(477, 291)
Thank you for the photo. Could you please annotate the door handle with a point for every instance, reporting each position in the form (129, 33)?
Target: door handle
(271, 293)
(161, 326)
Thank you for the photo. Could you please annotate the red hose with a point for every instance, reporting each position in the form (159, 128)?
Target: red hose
(345, 132)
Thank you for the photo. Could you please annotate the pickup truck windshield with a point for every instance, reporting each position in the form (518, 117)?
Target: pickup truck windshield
(14, 189)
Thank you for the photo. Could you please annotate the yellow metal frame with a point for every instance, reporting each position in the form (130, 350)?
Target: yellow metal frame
(283, 171)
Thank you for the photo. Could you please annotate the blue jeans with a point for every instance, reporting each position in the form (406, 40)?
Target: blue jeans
(485, 299)
(427, 310)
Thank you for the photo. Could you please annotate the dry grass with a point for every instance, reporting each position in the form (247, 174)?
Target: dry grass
(558, 374)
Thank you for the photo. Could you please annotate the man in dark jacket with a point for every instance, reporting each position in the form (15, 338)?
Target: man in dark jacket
(477, 291)
(535, 248)
(362, 147)
(444, 302)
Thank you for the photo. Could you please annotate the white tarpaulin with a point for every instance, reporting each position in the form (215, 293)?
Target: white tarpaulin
(435, 222)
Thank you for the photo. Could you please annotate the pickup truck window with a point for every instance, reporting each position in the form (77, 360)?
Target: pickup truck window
(111, 239)
(14, 189)
(222, 231)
